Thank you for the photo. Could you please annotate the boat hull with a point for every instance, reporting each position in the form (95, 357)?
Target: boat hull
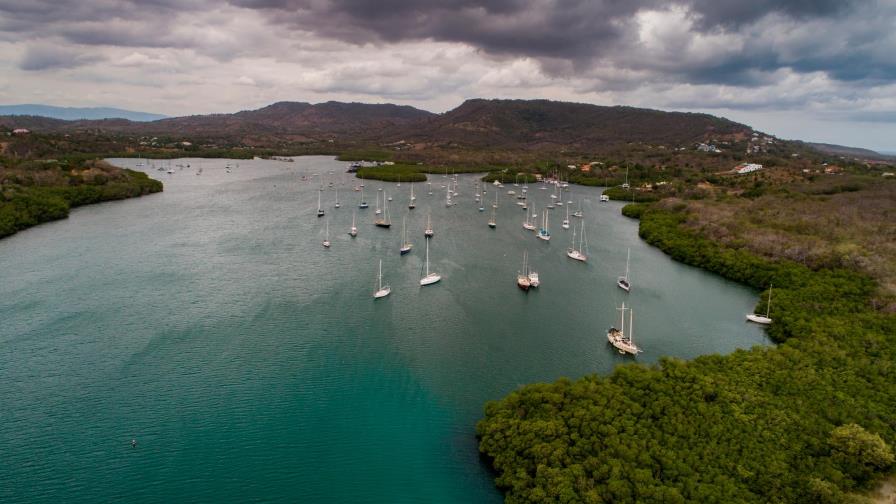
(430, 279)
(759, 319)
(382, 293)
(624, 285)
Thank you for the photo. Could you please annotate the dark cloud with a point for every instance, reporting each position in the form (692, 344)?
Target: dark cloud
(46, 57)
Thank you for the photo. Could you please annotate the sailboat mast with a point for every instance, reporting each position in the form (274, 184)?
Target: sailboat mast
(768, 306)
(631, 326)
(427, 257)
(628, 256)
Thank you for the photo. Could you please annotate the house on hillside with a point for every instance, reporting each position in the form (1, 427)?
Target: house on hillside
(21, 131)
(747, 168)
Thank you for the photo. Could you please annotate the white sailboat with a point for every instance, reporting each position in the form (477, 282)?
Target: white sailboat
(382, 290)
(379, 210)
(430, 277)
(565, 224)
(528, 226)
(764, 320)
(522, 278)
(413, 202)
(544, 233)
(326, 242)
(623, 281)
(353, 232)
(406, 246)
(578, 213)
(623, 342)
(337, 199)
(492, 223)
(320, 211)
(428, 232)
(495, 204)
(430, 188)
(448, 201)
(578, 253)
(362, 204)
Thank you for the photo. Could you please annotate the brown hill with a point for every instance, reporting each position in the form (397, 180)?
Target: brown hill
(537, 124)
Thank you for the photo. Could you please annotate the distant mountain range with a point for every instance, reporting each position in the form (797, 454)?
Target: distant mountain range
(475, 124)
(76, 113)
(857, 152)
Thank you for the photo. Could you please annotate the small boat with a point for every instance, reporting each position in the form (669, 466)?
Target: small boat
(604, 198)
(527, 225)
(362, 204)
(337, 199)
(326, 243)
(623, 342)
(533, 278)
(406, 246)
(578, 253)
(543, 232)
(623, 281)
(353, 232)
(522, 279)
(578, 213)
(495, 204)
(413, 201)
(320, 211)
(385, 221)
(382, 290)
(492, 223)
(565, 224)
(428, 231)
(760, 319)
(430, 188)
(430, 277)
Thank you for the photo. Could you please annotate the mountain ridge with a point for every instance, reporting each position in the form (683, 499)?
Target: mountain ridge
(78, 113)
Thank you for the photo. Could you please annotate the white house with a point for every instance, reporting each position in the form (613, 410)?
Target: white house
(20, 131)
(747, 168)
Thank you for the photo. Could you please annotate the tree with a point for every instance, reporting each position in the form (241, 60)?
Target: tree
(859, 453)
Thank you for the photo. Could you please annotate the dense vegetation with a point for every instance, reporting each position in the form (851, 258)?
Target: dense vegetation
(811, 420)
(34, 192)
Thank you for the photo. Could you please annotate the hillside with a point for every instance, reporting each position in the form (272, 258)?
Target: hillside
(551, 125)
(77, 113)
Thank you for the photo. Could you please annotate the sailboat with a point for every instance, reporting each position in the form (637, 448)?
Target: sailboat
(617, 337)
(543, 232)
(522, 279)
(625, 185)
(326, 243)
(533, 276)
(578, 213)
(577, 253)
(428, 231)
(362, 204)
(565, 224)
(495, 204)
(528, 226)
(413, 202)
(430, 188)
(384, 221)
(337, 199)
(759, 319)
(320, 211)
(429, 277)
(406, 246)
(623, 281)
(379, 210)
(353, 232)
(382, 290)
(448, 201)
(492, 223)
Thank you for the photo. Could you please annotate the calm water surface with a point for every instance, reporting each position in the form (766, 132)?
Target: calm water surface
(250, 363)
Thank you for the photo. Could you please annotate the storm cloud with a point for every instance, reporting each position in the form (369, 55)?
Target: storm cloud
(809, 57)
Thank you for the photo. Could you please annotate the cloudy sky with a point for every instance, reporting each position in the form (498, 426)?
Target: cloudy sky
(822, 70)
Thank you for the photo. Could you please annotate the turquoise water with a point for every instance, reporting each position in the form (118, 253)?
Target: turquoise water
(250, 363)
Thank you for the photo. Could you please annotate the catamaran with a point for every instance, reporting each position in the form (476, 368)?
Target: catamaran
(384, 221)
(383, 290)
(544, 233)
(413, 202)
(326, 242)
(353, 232)
(406, 246)
(565, 224)
(578, 253)
(522, 279)
(320, 211)
(429, 277)
(759, 319)
(428, 231)
(623, 342)
(623, 281)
